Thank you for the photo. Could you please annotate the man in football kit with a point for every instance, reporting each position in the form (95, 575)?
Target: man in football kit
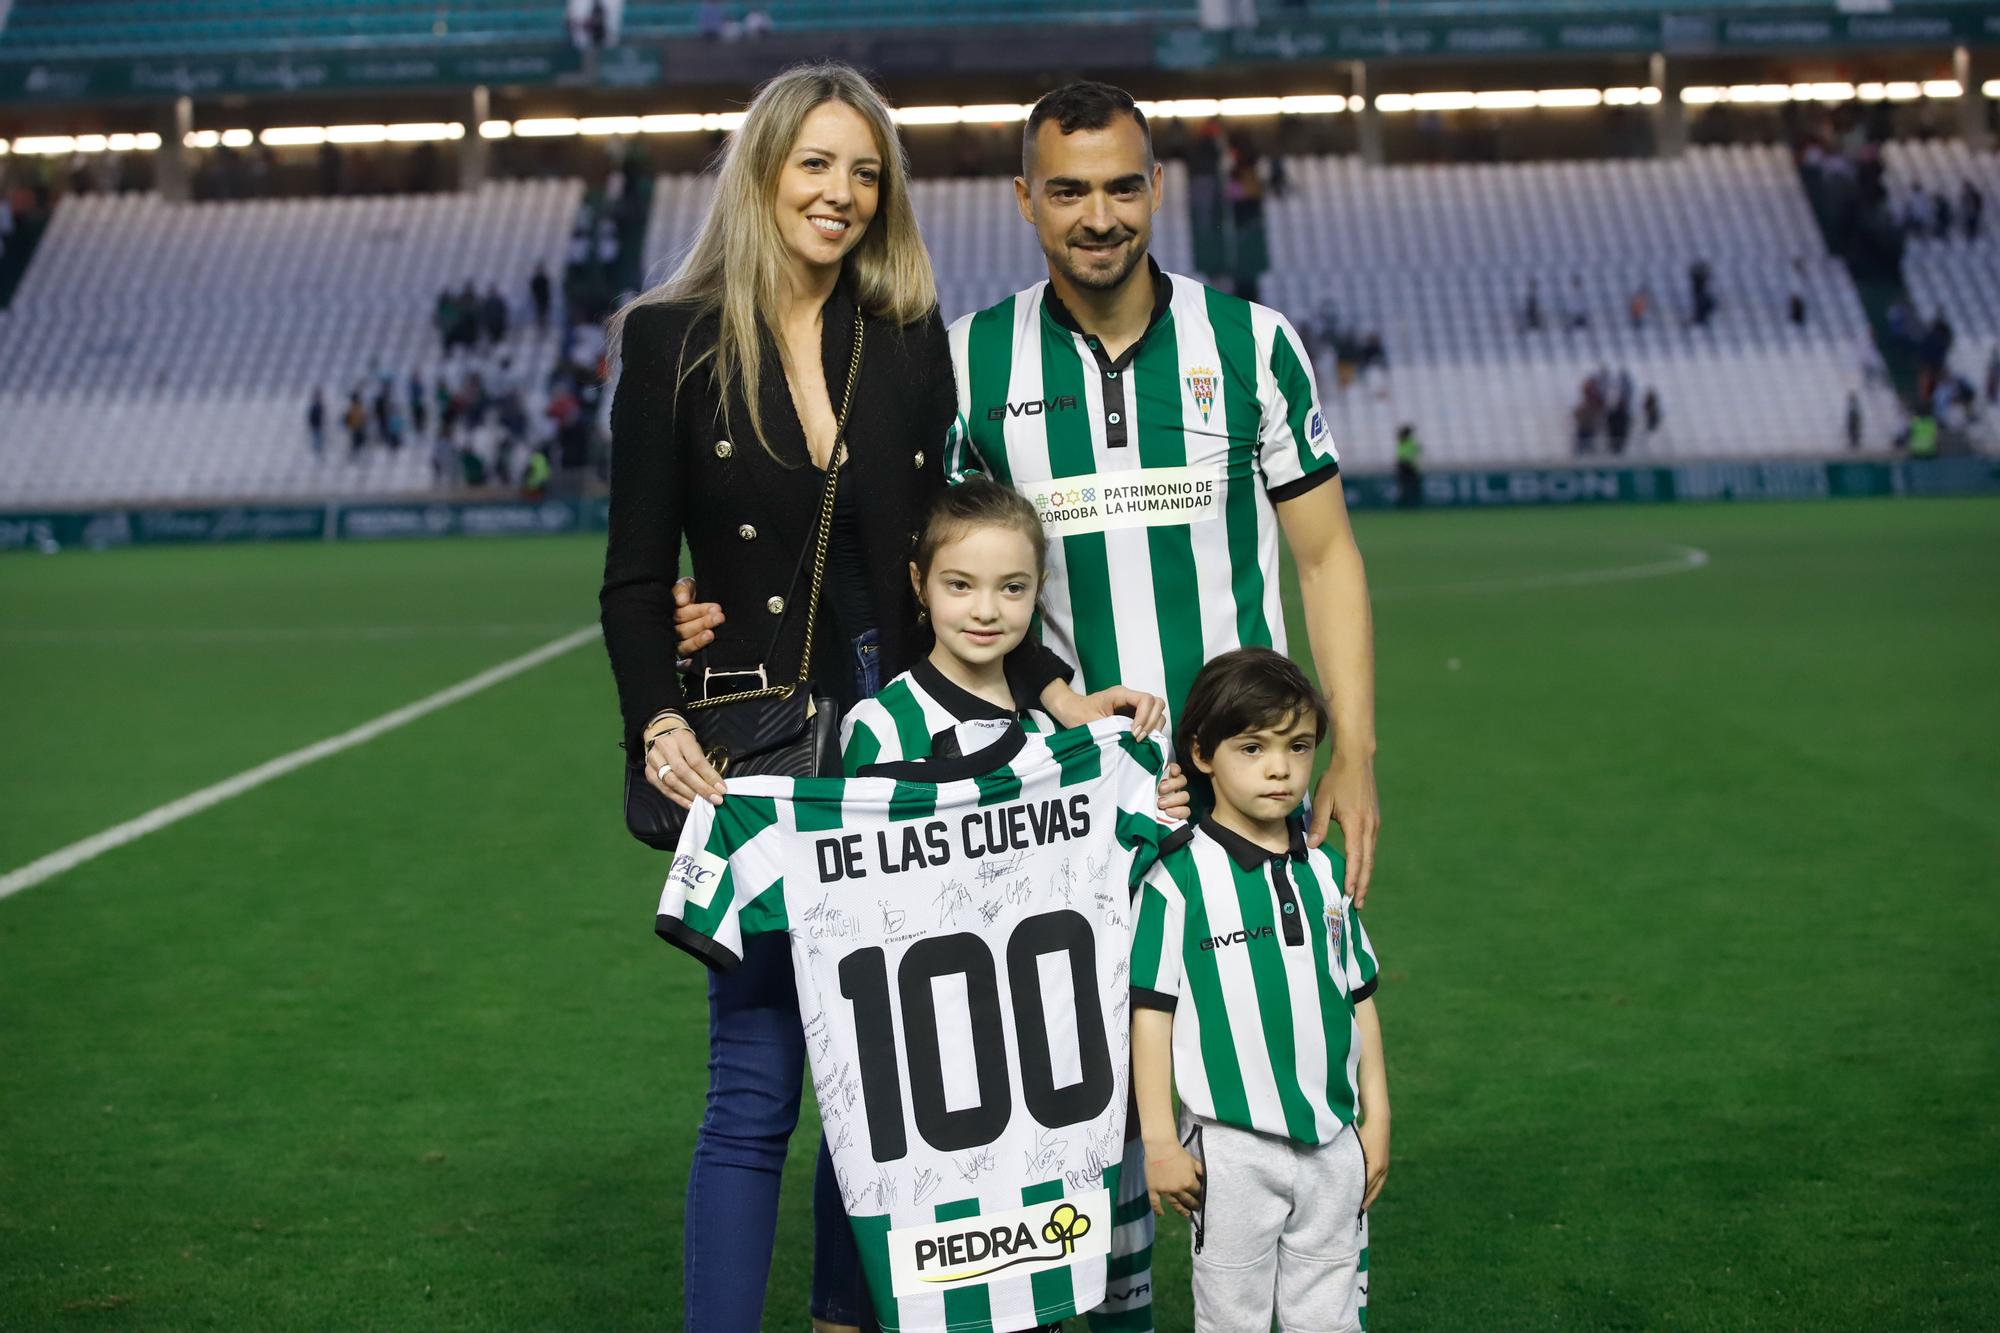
(1168, 433)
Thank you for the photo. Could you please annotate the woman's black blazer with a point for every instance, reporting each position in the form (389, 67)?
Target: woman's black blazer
(682, 467)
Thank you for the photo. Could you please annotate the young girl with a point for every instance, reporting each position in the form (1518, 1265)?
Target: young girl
(977, 570)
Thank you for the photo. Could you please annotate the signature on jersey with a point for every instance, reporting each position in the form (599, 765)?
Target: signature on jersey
(992, 870)
(1046, 1154)
(974, 1164)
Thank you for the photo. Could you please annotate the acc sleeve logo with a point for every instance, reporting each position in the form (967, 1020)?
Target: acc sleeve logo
(696, 874)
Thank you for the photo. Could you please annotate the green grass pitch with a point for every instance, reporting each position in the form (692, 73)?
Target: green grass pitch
(1686, 903)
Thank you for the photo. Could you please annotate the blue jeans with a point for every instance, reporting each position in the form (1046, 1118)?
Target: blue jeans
(756, 1061)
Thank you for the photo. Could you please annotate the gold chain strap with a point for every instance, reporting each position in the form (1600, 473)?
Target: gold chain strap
(819, 543)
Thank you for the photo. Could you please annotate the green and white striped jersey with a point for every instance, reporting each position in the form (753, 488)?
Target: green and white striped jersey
(1155, 474)
(917, 711)
(960, 931)
(1261, 958)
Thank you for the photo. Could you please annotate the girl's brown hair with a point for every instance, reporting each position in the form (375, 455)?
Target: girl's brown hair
(979, 503)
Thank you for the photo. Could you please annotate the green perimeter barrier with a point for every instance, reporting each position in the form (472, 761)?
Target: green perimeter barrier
(99, 529)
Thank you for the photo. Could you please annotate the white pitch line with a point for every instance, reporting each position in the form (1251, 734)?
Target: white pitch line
(272, 633)
(1690, 559)
(68, 858)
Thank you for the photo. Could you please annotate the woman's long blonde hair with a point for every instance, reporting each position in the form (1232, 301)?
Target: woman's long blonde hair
(736, 269)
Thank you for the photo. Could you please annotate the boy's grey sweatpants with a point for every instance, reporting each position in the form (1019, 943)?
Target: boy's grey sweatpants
(1282, 1233)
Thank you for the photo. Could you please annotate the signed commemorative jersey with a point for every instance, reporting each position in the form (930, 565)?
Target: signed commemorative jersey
(961, 933)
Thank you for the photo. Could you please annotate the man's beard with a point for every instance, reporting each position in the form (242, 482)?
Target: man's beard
(1103, 280)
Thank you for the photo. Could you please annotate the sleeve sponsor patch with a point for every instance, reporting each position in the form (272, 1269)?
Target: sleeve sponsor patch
(696, 874)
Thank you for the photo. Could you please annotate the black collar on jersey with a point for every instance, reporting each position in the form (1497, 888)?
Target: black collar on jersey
(1250, 855)
(955, 699)
(1163, 296)
(956, 769)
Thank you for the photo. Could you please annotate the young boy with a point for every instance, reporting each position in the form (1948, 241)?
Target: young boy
(1252, 995)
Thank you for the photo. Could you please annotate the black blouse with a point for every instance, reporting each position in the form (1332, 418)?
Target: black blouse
(687, 466)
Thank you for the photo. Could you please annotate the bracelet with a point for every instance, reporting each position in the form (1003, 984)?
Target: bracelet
(648, 735)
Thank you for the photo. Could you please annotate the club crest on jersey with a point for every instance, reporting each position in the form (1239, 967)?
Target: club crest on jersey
(1201, 383)
(1336, 926)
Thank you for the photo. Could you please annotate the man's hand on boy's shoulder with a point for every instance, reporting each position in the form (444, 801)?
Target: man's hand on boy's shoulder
(1346, 796)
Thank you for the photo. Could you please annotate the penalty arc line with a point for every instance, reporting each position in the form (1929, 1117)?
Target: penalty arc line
(1690, 559)
(68, 858)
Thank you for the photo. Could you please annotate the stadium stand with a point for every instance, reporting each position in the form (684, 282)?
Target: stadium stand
(1437, 260)
(162, 351)
(62, 29)
(1958, 274)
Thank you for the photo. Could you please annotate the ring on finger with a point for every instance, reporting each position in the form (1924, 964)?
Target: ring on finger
(664, 770)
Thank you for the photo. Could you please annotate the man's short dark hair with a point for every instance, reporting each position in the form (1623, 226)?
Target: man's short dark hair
(1081, 106)
(1248, 689)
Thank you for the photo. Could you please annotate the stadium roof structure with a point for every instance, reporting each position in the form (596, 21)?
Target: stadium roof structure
(111, 50)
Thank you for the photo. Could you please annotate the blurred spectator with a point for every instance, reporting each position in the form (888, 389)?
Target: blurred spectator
(1922, 436)
(1250, 256)
(1649, 410)
(1935, 350)
(1531, 308)
(1642, 302)
(1409, 477)
(1971, 209)
(1940, 215)
(447, 409)
(535, 477)
(419, 413)
(1618, 412)
(539, 293)
(316, 423)
(493, 316)
(1205, 158)
(757, 23)
(1993, 374)
(1917, 210)
(1853, 422)
(1576, 310)
(1701, 293)
(355, 418)
(444, 318)
(709, 19)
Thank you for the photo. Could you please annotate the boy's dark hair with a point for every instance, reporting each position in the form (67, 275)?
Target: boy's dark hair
(1080, 106)
(1245, 690)
(978, 502)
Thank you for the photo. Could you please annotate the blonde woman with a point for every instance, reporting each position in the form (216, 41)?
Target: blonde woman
(723, 423)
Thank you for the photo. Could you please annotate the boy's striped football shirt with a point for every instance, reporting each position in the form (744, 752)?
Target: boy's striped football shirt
(1155, 474)
(1261, 958)
(960, 932)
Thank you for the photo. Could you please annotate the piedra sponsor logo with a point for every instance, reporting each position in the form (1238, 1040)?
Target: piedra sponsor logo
(984, 1247)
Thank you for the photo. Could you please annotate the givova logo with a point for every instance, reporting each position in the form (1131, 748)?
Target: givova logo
(989, 1247)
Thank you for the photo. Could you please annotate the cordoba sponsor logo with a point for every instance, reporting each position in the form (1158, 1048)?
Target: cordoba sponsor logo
(988, 1246)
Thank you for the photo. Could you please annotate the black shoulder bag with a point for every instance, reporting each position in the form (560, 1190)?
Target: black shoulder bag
(775, 730)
